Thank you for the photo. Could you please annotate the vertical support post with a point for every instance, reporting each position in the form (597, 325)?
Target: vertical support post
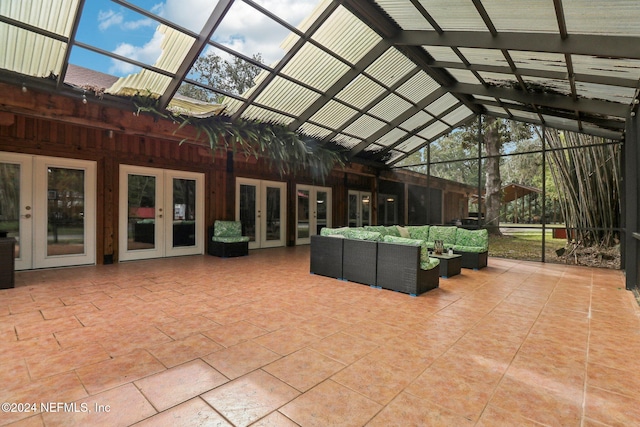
(428, 183)
(631, 189)
(480, 220)
(544, 192)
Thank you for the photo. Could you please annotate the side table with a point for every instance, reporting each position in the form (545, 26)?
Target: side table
(450, 265)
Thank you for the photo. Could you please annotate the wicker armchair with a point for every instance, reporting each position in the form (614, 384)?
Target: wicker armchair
(226, 239)
(400, 267)
(473, 245)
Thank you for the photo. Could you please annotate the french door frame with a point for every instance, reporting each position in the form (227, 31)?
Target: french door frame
(260, 216)
(311, 216)
(34, 211)
(164, 212)
(359, 218)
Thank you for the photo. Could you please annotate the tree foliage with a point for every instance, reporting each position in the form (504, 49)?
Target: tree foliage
(233, 76)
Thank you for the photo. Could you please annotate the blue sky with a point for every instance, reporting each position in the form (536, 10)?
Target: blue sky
(117, 29)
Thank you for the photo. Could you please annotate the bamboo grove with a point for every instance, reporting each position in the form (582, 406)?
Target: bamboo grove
(586, 172)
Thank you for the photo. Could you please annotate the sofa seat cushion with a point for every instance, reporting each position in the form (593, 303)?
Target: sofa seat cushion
(426, 262)
(469, 249)
(473, 240)
(230, 239)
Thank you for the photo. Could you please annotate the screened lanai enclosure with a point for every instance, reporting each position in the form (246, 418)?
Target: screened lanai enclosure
(391, 85)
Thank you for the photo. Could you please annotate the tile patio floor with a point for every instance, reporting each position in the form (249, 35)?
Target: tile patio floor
(259, 341)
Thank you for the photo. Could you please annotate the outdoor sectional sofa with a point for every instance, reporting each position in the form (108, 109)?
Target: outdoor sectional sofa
(368, 257)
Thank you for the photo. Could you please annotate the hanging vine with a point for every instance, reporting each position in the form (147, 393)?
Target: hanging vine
(285, 150)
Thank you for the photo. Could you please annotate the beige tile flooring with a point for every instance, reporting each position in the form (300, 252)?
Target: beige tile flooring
(259, 341)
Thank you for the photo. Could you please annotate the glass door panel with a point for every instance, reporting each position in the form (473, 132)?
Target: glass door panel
(184, 225)
(65, 212)
(16, 173)
(354, 212)
(248, 211)
(273, 203)
(10, 202)
(141, 215)
(365, 214)
(141, 208)
(323, 209)
(184, 212)
(303, 216)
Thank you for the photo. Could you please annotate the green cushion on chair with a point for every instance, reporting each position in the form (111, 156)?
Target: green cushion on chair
(426, 262)
(472, 240)
(235, 239)
(227, 228)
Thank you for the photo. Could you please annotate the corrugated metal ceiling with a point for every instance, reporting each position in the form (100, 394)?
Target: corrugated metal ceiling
(379, 78)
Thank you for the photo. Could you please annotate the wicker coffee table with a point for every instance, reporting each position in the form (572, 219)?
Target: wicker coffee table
(450, 265)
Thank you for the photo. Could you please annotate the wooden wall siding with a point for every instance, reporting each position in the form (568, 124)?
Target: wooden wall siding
(39, 123)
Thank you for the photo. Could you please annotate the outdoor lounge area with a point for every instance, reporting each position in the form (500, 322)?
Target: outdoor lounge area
(188, 341)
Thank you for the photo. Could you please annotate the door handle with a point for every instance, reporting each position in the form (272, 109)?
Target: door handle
(26, 216)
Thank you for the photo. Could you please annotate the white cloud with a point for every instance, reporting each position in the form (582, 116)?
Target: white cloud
(108, 19)
(147, 54)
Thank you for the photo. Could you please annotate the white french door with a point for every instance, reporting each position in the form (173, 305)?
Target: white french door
(261, 208)
(161, 213)
(49, 205)
(313, 211)
(359, 208)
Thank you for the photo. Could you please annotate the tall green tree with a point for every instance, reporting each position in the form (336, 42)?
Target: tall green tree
(498, 135)
(234, 76)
